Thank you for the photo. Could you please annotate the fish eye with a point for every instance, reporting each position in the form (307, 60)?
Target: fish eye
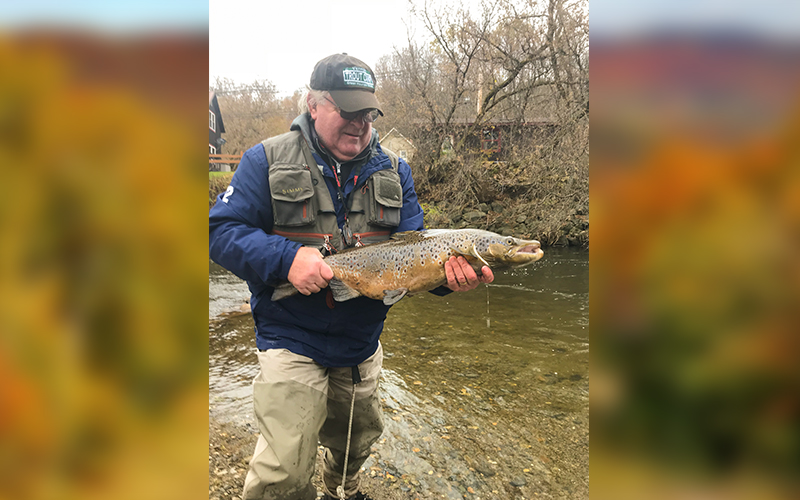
(510, 240)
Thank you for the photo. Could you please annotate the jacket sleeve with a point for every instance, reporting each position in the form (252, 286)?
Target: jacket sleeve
(240, 223)
(411, 215)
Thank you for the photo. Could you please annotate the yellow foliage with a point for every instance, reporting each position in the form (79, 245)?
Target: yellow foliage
(103, 352)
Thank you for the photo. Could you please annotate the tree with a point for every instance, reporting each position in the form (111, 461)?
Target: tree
(252, 112)
(517, 62)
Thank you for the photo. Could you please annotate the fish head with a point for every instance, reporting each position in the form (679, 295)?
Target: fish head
(508, 251)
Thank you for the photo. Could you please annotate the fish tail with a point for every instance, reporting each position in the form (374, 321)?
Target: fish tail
(283, 290)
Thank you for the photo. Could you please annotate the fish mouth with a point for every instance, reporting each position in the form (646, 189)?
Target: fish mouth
(529, 248)
(527, 252)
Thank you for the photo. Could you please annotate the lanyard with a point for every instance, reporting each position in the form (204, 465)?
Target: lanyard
(346, 231)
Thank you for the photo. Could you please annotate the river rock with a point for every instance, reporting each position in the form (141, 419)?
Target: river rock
(473, 216)
(518, 481)
(484, 467)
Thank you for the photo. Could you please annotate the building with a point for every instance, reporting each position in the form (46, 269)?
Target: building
(397, 142)
(215, 129)
(494, 140)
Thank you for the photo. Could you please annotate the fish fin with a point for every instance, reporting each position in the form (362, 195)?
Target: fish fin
(285, 289)
(458, 253)
(402, 234)
(342, 292)
(409, 236)
(392, 296)
(474, 252)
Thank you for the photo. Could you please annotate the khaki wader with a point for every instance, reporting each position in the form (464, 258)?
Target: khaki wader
(298, 403)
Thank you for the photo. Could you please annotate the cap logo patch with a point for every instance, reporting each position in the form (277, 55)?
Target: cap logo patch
(359, 77)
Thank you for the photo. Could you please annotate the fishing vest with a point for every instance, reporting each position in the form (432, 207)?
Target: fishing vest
(301, 203)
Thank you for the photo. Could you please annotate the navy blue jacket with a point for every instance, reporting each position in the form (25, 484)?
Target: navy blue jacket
(240, 224)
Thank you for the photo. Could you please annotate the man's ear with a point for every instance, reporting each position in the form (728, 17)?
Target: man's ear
(312, 106)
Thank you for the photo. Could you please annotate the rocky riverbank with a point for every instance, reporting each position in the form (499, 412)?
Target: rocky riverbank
(477, 451)
(471, 428)
(230, 449)
(512, 218)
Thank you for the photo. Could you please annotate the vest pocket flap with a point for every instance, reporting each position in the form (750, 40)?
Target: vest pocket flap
(388, 191)
(290, 183)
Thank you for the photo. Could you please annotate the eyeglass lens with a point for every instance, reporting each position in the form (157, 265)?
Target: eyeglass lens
(369, 116)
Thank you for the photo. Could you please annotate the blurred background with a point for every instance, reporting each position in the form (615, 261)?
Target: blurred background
(695, 191)
(695, 276)
(103, 295)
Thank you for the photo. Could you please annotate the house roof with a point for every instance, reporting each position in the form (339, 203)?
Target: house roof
(397, 133)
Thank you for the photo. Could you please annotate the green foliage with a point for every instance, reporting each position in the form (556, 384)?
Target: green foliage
(435, 216)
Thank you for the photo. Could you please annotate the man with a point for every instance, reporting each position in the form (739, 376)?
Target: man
(324, 186)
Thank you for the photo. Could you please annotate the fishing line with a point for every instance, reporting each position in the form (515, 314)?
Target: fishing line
(488, 317)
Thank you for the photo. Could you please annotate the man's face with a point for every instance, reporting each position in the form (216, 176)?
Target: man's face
(343, 138)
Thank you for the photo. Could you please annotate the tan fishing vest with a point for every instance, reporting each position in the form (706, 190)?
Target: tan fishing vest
(301, 203)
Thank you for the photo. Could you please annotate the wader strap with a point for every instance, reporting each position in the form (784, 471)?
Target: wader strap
(356, 379)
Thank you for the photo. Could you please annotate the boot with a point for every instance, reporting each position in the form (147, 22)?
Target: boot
(357, 496)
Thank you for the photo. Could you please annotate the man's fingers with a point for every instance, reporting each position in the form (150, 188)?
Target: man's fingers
(452, 270)
(311, 288)
(449, 274)
(469, 274)
(326, 273)
(309, 273)
(458, 270)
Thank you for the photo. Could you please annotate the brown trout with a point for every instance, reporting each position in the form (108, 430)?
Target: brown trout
(413, 262)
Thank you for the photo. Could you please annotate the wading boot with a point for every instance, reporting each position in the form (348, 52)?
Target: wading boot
(357, 496)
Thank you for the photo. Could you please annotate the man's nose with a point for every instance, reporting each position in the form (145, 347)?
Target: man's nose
(360, 121)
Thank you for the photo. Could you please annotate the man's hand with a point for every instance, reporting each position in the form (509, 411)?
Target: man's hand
(309, 273)
(461, 277)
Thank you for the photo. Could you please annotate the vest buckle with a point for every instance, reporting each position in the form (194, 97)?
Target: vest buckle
(327, 245)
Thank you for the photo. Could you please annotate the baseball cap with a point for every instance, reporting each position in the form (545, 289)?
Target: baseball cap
(350, 82)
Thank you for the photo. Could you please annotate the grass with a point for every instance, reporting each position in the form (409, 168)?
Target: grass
(217, 183)
(212, 175)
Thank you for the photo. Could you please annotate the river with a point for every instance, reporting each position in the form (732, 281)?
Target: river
(485, 393)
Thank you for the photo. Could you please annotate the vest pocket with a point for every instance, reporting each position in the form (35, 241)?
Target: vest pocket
(292, 193)
(383, 208)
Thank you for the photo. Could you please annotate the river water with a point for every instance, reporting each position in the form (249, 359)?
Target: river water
(485, 393)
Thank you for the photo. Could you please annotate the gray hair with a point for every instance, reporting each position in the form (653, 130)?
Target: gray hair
(315, 96)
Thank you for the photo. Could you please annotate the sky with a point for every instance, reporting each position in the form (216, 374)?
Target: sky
(779, 19)
(276, 41)
(281, 41)
(106, 16)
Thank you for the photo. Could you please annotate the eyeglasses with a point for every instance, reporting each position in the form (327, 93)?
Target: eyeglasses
(367, 116)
